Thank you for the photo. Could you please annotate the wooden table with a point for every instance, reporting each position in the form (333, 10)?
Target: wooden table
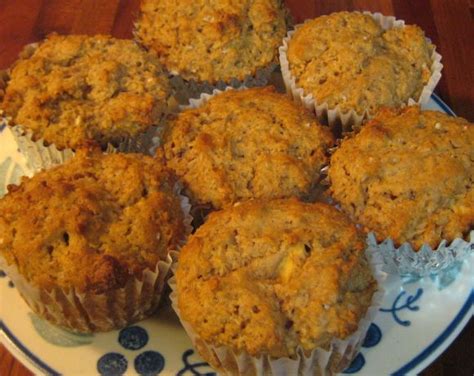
(449, 24)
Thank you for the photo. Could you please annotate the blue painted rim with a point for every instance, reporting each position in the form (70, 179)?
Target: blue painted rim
(443, 105)
(402, 371)
(439, 340)
(22, 348)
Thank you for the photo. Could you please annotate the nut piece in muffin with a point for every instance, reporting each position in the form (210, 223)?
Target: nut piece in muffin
(273, 278)
(348, 60)
(87, 238)
(408, 175)
(71, 89)
(213, 41)
(245, 144)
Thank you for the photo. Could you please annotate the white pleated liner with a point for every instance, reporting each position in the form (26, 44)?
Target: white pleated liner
(405, 261)
(91, 312)
(205, 97)
(185, 90)
(38, 156)
(319, 362)
(335, 115)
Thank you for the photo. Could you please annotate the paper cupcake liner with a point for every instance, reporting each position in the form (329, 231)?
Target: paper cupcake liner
(90, 312)
(39, 156)
(335, 117)
(441, 263)
(319, 361)
(203, 98)
(184, 90)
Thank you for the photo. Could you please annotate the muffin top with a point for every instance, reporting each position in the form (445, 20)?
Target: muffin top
(269, 276)
(76, 88)
(213, 40)
(91, 223)
(245, 144)
(408, 175)
(348, 60)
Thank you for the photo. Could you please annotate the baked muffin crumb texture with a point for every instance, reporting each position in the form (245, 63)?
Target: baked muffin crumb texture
(75, 88)
(269, 277)
(92, 223)
(346, 59)
(246, 144)
(408, 175)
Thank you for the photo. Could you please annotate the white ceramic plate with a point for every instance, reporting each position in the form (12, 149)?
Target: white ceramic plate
(416, 324)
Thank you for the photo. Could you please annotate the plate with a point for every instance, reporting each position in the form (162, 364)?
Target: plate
(416, 323)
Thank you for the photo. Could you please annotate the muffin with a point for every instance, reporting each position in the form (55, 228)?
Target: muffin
(246, 144)
(87, 243)
(357, 63)
(273, 284)
(408, 176)
(69, 90)
(213, 42)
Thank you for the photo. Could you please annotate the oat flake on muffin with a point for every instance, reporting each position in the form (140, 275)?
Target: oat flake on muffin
(346, 59)
(76, 88)
(408, 175)
(245, 144)
(213, 41)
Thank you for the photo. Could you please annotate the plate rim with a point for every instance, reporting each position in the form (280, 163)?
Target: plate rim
(422, 360)
(22, 353)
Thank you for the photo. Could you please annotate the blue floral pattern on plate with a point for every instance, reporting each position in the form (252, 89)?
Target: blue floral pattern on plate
(149, 363)
(400, 306)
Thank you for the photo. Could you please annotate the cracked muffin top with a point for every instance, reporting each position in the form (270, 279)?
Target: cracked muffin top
(267, 277)
(213, 40)
(92, 223)
(75, 88)
(346, 59)
(408, 175)
(245, 144)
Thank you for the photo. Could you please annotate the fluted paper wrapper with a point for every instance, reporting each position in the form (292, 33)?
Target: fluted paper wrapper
(184, 90)
(90, 312)
(335, 116)
(39, 156)
(318, 362)
(205, 97)
(441, 263)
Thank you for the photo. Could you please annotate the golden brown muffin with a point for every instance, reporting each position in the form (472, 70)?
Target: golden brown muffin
(408, 175)
(267, 277)
(212, 41)
(92, 222)
(246, 144)
(92, 226)
(71, 89)
(346, 59)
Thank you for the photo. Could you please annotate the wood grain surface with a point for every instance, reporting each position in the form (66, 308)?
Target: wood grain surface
(449, 24)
